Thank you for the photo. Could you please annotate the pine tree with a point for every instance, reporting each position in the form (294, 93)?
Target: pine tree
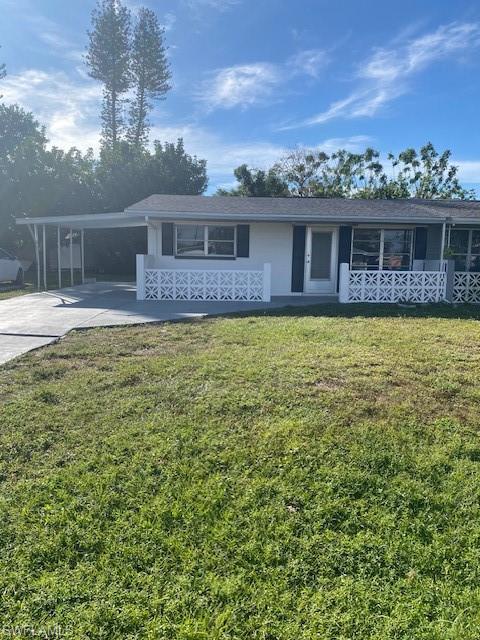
(108, 60)
(150, 71)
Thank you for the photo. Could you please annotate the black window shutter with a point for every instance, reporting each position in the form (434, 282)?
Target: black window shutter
(167, 238)
(243, 241)
(420, 243)
(298, 258)
(344, 244)
(344, 247)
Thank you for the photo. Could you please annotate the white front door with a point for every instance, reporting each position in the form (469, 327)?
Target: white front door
(321, 260)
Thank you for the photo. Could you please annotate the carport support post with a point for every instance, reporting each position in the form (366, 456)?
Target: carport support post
(82, 253)
(59, 258)
(37, 254)
(71, 256)
(44, 256)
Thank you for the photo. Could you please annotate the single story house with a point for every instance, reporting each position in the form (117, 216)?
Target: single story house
(222, 248)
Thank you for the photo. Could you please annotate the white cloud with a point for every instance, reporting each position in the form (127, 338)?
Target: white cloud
(309, 62)
(255, 83)
(222, 157)
(68, 109)
(219, 5)
(241, 85)
(168, 21)
(50, 33)
(468, 170)
(384, 75)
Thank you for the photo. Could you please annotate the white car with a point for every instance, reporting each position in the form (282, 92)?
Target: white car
(11, 269)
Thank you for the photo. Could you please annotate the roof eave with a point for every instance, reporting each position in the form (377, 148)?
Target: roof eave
(294, 219)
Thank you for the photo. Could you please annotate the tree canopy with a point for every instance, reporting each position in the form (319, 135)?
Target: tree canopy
(255, 182)
(304, 173)
(36, 180)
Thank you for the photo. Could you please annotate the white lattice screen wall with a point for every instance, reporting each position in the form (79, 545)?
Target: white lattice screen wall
(394, 286)
(205, 284)
(466, 287)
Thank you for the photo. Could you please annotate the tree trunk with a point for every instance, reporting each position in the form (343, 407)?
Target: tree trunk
(114, 116)
(141, 115)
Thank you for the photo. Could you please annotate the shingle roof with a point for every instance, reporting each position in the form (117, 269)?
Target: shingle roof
(308, 208)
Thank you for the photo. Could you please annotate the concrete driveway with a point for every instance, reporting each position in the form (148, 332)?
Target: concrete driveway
(32, 321)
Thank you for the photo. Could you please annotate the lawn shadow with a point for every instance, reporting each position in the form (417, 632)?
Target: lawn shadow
(361, 310)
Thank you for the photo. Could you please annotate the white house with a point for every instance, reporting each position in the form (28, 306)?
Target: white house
(232, 248)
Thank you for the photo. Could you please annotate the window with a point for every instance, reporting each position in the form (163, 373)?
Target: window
(199, 240)
(465, 247)
(384, 249)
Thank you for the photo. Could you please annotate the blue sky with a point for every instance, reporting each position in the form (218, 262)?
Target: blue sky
(253, 78)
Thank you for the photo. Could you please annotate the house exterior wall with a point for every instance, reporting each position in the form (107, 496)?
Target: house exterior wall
(269, 242)
(273, 242)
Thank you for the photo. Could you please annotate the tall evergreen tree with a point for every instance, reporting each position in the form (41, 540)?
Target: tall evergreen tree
(108, 60)
(151, 73)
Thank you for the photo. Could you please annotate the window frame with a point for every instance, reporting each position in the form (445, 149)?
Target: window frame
(468, 254)
(382, 246)
(205, 255)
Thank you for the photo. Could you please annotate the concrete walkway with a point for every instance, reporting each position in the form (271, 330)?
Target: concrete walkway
(34, 320)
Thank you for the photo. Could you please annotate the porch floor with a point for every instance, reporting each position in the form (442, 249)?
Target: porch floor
(30, 321)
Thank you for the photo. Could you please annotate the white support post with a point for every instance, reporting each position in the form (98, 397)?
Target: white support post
(37, 254)
(343, 286)
(59, 258)
(140, 276)
(71, 256)
(267, 282)
(442, 247)
(44, 258)
(82, 253)
(152, 241)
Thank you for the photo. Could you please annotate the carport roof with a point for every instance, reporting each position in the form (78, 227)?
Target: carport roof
(90, 221)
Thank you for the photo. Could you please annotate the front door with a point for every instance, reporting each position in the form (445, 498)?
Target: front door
(321, 261)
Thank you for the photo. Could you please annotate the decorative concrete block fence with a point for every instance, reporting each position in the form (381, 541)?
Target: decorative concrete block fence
(201, 284)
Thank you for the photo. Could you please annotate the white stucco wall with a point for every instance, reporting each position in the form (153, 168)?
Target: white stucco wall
(269, 242)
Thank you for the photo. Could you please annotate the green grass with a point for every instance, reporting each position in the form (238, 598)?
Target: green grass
(11, 292)
(286, 477)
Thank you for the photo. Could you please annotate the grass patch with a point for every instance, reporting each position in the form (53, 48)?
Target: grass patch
(293, 476)
(7, 292)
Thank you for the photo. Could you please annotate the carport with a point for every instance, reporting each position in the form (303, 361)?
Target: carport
(80, 223)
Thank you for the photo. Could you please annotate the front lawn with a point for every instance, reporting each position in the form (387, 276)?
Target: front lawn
(287, 477)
